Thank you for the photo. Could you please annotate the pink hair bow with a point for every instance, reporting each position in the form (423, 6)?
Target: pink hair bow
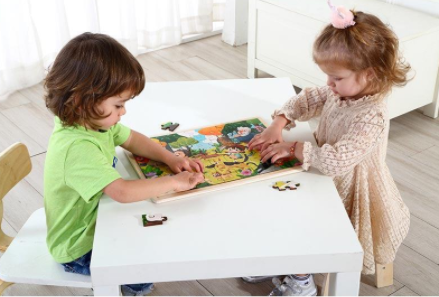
(341, 17)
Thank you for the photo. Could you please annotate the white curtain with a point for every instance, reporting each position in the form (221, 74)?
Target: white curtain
(32, 32)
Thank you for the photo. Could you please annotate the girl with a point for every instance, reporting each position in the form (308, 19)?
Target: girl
(87, 87)
(360, 56)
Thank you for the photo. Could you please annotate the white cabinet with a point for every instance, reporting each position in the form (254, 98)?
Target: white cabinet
(282, 33)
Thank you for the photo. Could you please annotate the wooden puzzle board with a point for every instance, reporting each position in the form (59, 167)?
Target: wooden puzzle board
(223, 151)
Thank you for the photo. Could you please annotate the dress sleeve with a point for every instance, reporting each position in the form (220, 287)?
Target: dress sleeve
(304, 106)
(365, 133)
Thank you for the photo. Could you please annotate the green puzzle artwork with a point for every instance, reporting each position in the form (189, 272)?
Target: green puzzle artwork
(221, 148)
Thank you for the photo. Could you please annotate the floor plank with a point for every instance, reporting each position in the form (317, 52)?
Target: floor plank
(416, 272)
(37, 290)
(36, 176)
(405, 140)
(220, 57)
(420, 125)
(404, 291)
(188, 288)
(29, 118)
(11, 133)
(20, 203)
(236, 287)
(423, 238)
(15, 99)
(35, 94)
(207, 69)
(417, 185)
(429, 157)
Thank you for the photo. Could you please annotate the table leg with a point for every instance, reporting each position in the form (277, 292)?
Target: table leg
(107, 291)
(344, 284)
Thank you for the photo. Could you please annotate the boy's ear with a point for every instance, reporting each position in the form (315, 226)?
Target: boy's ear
(76, 101)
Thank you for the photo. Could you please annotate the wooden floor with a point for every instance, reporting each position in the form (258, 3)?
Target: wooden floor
(413, 158)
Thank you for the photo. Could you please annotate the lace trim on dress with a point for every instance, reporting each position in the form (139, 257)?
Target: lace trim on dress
(355, 102)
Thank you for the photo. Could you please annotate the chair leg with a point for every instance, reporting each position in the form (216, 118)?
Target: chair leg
(325, 285)
(5, 241)
(3, 286)
(383, 275)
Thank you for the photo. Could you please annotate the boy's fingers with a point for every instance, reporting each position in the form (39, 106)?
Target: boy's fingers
(201, 177)
(200, 165)
(196, 165)
(196, 178)
(187, 167)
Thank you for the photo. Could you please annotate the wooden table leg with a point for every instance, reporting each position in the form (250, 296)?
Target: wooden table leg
(383, 275)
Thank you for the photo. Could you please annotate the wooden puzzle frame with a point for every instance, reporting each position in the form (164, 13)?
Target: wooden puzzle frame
(214, 154)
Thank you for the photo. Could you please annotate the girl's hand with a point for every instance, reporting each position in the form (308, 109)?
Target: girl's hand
(186, 180)
(179, 164)
(282, 150)
(269, 136)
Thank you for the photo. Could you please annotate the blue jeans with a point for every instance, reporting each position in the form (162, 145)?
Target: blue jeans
(82, 266)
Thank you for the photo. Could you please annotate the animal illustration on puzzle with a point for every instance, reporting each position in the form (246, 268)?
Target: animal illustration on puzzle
(221, 148)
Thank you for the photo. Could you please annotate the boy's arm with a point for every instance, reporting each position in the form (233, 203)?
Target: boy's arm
(125, 191)
(142, 145)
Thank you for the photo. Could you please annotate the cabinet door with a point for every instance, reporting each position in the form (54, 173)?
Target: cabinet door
(284, 39)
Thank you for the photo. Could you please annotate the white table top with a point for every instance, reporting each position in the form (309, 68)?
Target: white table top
(246, 230)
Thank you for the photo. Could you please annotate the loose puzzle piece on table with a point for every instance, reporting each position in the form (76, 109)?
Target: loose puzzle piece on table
(170, 126)
(283, 185)
(153, 220)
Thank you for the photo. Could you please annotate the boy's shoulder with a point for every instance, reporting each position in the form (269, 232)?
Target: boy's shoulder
(64, 138)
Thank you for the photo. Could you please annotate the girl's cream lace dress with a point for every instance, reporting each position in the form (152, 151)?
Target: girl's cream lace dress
(351, 147)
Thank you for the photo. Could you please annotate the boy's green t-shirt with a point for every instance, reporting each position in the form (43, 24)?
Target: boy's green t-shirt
(79, 164)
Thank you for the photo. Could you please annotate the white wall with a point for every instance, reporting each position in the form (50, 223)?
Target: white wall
(427, 6)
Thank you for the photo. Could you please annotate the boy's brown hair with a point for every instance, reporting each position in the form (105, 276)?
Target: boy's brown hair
(89, 69)
(367, 44)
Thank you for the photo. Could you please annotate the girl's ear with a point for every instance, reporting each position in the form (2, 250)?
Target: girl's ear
(369, 74)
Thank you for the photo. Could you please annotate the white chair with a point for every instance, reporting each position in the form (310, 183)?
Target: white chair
(26, 258)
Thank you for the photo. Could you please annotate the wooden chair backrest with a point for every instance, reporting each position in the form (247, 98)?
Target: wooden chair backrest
(15, 164)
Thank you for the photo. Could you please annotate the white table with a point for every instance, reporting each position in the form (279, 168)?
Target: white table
(246, 230)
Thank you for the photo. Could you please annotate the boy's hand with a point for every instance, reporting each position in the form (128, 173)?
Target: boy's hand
(187, 180)
(267, 137)
(179, 164)
(282, 150)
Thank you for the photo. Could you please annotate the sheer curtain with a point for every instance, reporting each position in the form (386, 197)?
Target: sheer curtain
(33, 32)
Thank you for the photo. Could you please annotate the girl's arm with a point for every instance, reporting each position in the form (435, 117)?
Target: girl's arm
(303, 107)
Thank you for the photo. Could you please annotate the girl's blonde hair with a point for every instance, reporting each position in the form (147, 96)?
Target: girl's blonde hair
(369, 44)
